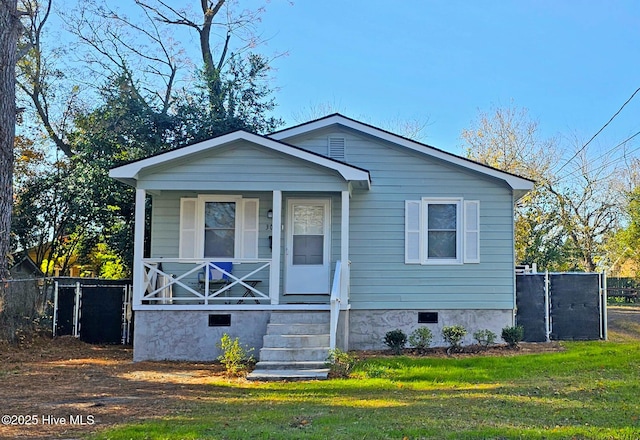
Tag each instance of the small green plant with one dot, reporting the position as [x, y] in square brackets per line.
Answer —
[421, 338]
[513, 335]
[453, 335]
[340, 363]
[235, 358]
[485, 337]
[395, 340]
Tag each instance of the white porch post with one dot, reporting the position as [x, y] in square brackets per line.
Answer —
[344, 251]
[276, 234]
[138, 248]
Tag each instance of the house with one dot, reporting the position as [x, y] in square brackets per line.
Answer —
[24, 267]
[332, 221]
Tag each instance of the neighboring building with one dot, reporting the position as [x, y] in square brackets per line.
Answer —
[24, 267]
[333, 216]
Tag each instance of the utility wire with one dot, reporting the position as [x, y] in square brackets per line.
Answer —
[600, 131]
[605, 164]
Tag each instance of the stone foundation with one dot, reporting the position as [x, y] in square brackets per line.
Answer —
[186, 335]
[367, 328]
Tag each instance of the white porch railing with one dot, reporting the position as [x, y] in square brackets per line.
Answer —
[160, 283]
[335, 305]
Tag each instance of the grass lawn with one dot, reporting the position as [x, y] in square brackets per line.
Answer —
[589, 391]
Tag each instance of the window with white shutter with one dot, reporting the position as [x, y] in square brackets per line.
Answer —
[218, 227]
[442, 231]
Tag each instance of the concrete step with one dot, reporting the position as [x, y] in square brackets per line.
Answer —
[300, 317]
[295, 341]
[306, 374]
[294, 354]
[298, 365]
[297, 329]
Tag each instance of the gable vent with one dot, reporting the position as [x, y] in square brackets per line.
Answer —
[337, 148]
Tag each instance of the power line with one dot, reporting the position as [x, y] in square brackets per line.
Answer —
[605, 164]
[600, 131]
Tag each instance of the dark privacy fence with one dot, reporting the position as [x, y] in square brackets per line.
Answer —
[96, 311]
[561, 306]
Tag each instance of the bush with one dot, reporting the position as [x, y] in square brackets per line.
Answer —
[453, 335]
[485, 337]
[340, 363]
[235, 358]
[421, 338]
[513, 335]
[395, 340]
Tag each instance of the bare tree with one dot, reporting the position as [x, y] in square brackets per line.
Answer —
[564, 222]
[10, 27]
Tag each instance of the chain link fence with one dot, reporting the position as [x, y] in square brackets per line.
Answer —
[25, 309]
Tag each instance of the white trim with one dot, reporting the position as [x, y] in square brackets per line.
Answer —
[130, 173]
[519, 184]
[344, 250]
[276, 240]
[138, 247]
[218, 308]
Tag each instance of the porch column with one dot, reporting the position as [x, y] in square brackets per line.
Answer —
[138, 247]
[276, 234]
[344, 251]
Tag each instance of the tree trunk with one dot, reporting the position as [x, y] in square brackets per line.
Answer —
[9, 32]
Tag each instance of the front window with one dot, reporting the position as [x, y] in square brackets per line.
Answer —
[219, 229]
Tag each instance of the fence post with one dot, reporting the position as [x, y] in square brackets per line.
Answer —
[547, 306]
[76, 313]
[604, 320]
[55, 309]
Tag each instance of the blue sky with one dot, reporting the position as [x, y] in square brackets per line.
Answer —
[571, 63]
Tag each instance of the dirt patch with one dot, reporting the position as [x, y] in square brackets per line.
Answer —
[66, 388]
[89, 387]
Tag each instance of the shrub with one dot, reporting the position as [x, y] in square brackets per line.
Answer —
[395, 340]
[485, 337]
[513, 335]
[453, 335]
[235, 358]
[340, 363]
[421, 338]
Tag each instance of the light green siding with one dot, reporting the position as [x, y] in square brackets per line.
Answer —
[379, 277]
[241, 167]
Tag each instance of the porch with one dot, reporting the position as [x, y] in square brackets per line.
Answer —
[275, 259]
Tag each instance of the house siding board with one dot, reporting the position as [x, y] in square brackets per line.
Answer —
[241, 167]
[379, 277]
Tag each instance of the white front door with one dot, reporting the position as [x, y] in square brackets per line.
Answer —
[308, 246]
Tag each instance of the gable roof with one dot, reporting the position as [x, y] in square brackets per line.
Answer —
[129, 173]
[520, 185]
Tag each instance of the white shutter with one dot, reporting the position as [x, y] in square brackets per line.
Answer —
[337, 148]
[249, 228]
[412, 231]
[188, 235]
[471, 231]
